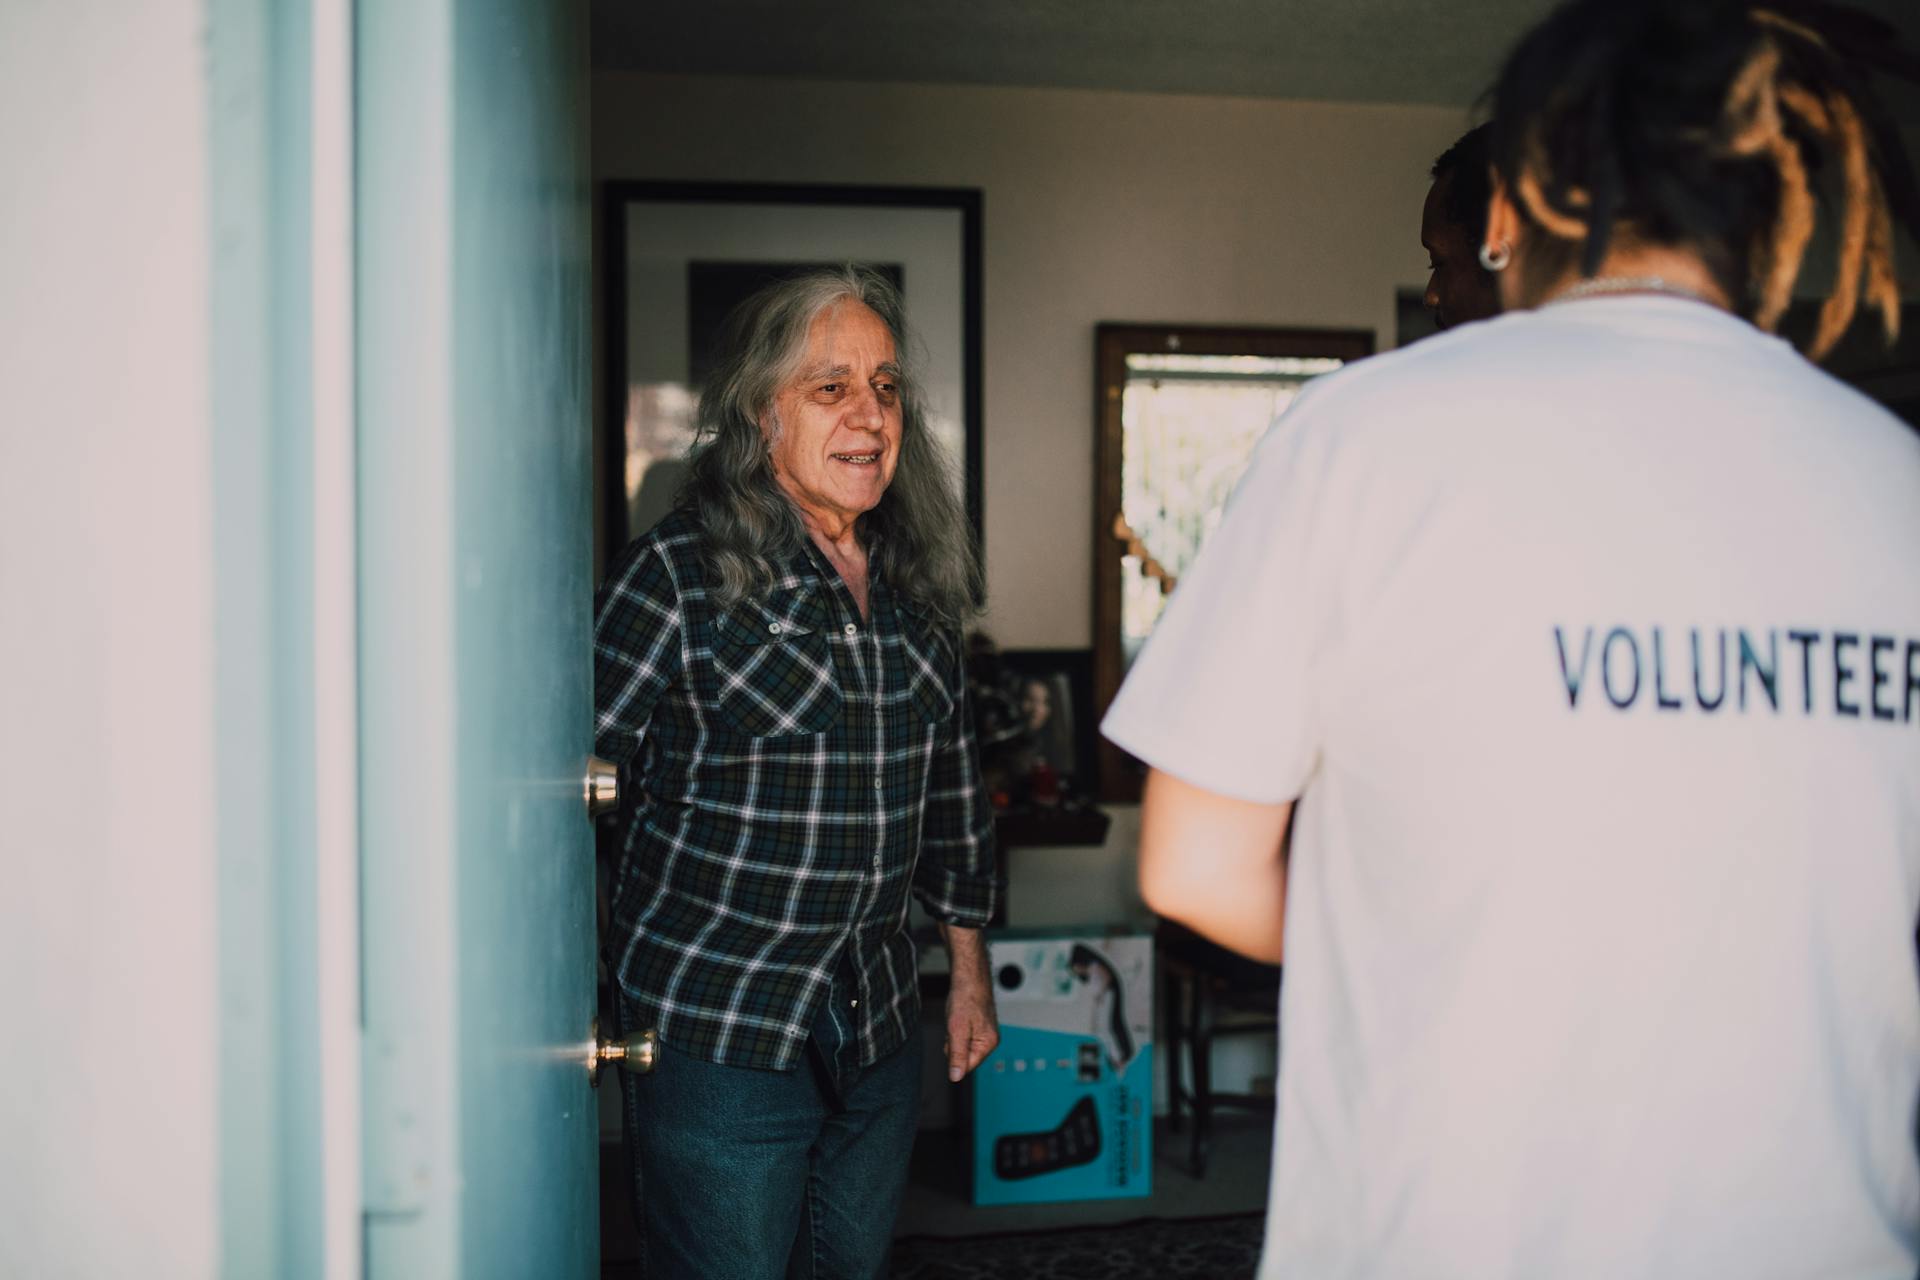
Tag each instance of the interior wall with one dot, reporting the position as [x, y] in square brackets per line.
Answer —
[1098, 206]
[109, 926]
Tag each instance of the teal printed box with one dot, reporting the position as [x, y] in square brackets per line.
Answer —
[1063, 1109]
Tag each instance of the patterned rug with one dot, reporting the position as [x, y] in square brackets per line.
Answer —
[1226, 1248]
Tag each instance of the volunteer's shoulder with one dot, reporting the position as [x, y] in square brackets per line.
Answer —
[1847, 411]
[1401, 392]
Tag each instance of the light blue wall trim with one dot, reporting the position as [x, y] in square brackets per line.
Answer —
[270, 1137]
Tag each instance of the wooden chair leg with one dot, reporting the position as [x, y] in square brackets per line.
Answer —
[1202, 1033]
[1173, 993]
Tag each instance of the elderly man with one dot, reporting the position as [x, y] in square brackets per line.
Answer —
[778, 666]
[1453, 226]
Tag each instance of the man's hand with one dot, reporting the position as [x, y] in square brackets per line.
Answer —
[972, 1028]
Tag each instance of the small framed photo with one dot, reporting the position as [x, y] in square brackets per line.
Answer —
[1052, 693]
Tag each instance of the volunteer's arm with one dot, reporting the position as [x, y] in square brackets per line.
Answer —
[1215, 864]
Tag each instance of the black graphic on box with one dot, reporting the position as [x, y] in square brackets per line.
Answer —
[1110, 1005]
[1028, 1155]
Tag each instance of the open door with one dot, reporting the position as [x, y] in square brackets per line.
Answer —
[472, 355]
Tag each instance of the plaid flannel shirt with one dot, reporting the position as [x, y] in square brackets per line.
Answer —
[792, 772]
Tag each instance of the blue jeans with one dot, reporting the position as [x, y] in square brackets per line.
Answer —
[742, 1174]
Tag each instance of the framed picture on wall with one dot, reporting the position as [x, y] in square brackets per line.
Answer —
[680, 256]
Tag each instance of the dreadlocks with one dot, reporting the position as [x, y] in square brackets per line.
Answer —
[1703, 125]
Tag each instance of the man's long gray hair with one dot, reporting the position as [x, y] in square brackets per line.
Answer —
[917, 534]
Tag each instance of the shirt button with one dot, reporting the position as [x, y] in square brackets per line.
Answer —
[773, 628]
[852, 631]
[856, 1004]
[877, 786]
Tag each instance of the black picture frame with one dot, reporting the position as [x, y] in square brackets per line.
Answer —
[753, 213]
[1065, 674]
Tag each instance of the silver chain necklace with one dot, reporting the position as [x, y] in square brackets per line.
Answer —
[1599, 285]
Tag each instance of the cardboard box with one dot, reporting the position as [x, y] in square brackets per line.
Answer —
[1063, 1109]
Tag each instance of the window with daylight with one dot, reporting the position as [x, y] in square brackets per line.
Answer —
[1180, 410]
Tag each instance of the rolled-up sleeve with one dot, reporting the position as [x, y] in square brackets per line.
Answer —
[955, 878]
[636, 649]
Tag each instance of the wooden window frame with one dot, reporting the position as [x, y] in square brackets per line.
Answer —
[1119, 775]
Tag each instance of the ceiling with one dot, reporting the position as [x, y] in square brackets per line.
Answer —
[1443, 52]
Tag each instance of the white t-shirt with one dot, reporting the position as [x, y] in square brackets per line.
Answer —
[1599, 954]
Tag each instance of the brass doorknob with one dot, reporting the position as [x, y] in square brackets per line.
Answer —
[637, 1053]
[602, 786]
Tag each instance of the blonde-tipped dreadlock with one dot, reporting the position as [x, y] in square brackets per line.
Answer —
[1756, 99]
[1565, 225]
[1866, 235]
[1790, 101]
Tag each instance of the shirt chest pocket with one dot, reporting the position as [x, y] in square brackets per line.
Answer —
[929, 662]
[774, 673]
